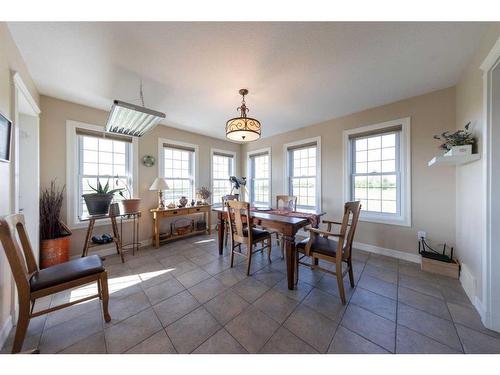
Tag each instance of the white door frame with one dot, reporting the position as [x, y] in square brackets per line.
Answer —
[20, 91]
[491, 237]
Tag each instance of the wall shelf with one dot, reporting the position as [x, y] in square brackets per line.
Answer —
[453, 160]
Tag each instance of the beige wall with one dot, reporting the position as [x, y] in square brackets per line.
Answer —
[56, 112]
[10, 61]
[469, 177]
[433, 189]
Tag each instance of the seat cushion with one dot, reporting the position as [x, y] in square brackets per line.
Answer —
[320, 245]
[64, 272]
[258, 234]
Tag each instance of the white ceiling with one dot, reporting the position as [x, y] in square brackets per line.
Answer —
[297, 73]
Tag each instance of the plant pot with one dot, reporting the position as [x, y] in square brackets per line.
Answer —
[131, 206]
[54, 251]
[459, 151]
[98, 204]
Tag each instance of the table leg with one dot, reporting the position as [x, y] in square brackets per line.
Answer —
[290, 260]
[220, 231]
[118, 240]
[209, 222]
[88, 237]
[156, 229]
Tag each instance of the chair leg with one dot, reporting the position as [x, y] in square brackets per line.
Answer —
[249, 258]
[269, 248]
[103, 280]
[232, 253]
[340, 282]
[22, 326]
[351, 273]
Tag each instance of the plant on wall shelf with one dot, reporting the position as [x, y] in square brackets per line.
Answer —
[460, 137]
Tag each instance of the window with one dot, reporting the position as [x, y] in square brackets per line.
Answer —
[107, 159]
[178, 164]
[259, 167]
[94, 154]
[378, 168]
[303, 170]
[222, 169]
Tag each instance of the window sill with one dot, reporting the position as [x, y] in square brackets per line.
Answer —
[383, 219]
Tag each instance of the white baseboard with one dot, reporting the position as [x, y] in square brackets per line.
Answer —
[469, 283]
[414, 258]
[4, 332]
[111, 249]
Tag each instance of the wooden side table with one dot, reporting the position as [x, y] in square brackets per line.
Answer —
[159, 214]
[88, 239]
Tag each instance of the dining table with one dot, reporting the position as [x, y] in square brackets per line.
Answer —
[285, 222]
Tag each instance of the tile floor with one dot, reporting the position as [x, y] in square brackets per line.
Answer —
[184, 298]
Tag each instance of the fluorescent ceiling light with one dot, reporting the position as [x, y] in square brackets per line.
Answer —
[131, 119]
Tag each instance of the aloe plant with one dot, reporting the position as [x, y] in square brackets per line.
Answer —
[99, 189]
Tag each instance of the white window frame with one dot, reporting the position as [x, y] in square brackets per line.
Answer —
[161, 159]
[220, 151]
[72, 150]
[404, 216]
[266, 150]
[286, 161]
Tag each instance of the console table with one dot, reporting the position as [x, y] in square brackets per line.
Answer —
[159, 214]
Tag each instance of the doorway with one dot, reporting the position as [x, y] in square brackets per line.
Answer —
[491, 255]
[26, 169]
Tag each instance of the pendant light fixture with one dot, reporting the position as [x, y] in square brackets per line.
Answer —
[243, 128]
[131, 119]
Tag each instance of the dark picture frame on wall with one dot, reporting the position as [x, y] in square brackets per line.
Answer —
[5, 138]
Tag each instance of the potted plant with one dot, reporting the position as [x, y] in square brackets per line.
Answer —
[459, 142]
[204, 194]
[130, 205]
[54, 234]
[98, 202]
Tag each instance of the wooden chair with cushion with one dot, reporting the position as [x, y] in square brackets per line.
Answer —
[284, 202]
[241, 235]
[337, 250]
[225, 198]
[33, 283]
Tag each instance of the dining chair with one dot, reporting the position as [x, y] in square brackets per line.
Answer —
[243, 233]
[337, 250]
[33, 283]
[289, 203]
[225, 198]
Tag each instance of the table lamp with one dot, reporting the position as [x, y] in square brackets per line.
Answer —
[159, 184]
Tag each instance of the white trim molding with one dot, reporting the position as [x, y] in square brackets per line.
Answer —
[72, 175]
[21, 86]
[264, 150]
[490, 299]
[235, 169]
[286, 169]
[409, 257]
[404, 218]
[5, 330]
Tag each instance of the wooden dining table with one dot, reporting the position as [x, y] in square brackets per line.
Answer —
[288, 225]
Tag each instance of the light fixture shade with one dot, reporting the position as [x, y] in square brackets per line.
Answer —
[131, 119]
[159, 184]
[243, 129]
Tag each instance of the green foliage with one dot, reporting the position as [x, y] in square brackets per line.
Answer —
[99, 189]
[458, 138]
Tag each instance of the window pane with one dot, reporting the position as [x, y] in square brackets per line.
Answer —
[389, 140]
[374, 193]
[361, 144]
[303, 175]
[388, 166]
[374, 167]
[178, 173]
[104, 159]
[389, 207]
[389, 194]
[389, 181]
[374, 142]
[361, 168]
[374, 205]
[388, 153]
[374, 155]
[361, 156]
[361, 181]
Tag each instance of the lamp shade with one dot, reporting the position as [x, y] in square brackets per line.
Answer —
[159, 184]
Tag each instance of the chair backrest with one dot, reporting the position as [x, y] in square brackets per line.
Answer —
[287, 202]
[236, 210]
[21, 260]
[348, 227]
[229, 197]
